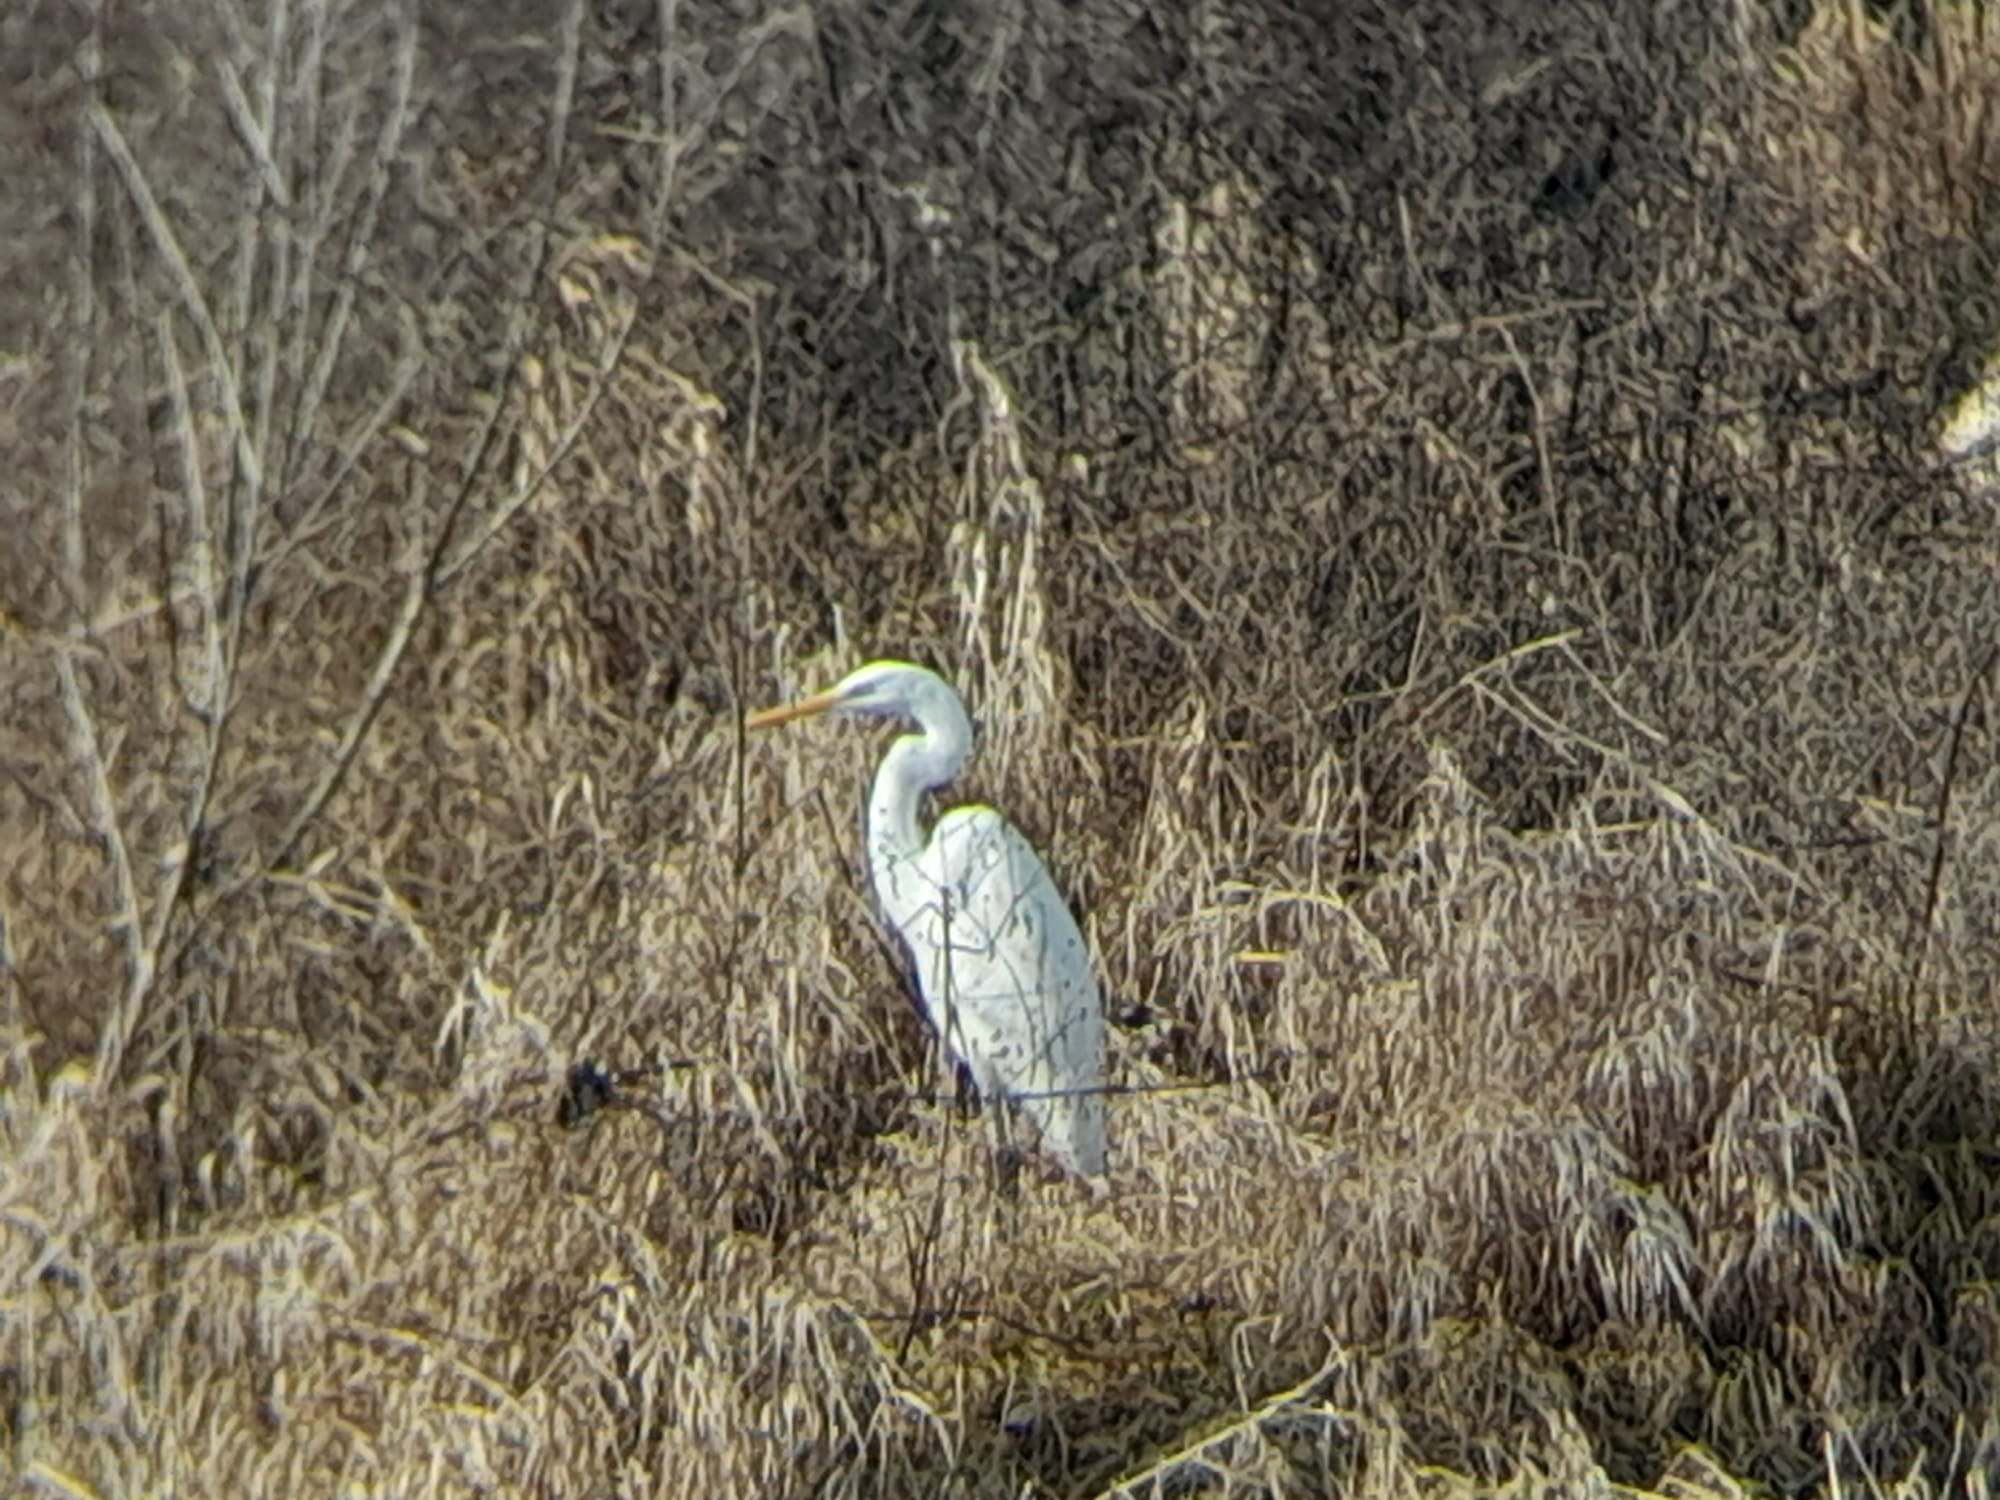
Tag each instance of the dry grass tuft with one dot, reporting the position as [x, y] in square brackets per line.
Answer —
[1449, 567]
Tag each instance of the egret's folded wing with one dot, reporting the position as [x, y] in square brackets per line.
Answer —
[1006, 977]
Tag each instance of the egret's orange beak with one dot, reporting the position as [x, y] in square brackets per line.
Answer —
[784, 713]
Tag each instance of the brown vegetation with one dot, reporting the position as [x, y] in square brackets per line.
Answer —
[1433, 507]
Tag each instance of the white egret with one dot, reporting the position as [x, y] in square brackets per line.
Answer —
[1003, 972]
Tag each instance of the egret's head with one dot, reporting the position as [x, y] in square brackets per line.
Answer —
[880, 690]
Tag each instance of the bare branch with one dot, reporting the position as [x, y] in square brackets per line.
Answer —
[87, 753]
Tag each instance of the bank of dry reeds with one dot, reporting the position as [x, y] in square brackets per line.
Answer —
[1436, 514]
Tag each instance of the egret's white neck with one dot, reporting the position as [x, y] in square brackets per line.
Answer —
[915, 764]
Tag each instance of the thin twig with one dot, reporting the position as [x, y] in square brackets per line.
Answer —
[87, 749]
[83, 332]
[86, 746]
[251, 131]
[1921, 932]
[167, 245]
[349, 453]
[210, 701]
[380, 679]
[565, 442]
[331, 338]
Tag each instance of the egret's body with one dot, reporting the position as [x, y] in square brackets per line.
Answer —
[1003, 972]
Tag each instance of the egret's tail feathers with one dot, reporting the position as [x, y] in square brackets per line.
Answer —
[1072, 1128]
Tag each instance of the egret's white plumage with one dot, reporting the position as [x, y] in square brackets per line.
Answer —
[1002, 969]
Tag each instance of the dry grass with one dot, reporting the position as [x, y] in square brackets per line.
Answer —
[1487, 648]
